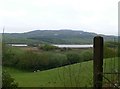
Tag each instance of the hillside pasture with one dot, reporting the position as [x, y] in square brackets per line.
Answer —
[75, 75]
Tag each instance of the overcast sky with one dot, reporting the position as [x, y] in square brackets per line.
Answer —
[99, 16]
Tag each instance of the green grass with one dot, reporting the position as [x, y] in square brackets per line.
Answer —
[76, 75]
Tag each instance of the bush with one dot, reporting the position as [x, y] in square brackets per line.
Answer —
[8, 82]
[112, 44]
[8, 56]
[73, 57]
[47, 47]
[57, 60]
[34, 61]
[28, 61]
[109, 52]
[86, 55]
[11, 56]
[31, 61]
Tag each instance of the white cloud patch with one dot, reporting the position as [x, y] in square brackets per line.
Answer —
[98, 16]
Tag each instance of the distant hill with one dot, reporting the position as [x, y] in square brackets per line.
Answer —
[54, 37]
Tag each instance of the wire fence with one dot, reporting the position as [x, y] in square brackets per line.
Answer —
[111, 73]
[82, 74]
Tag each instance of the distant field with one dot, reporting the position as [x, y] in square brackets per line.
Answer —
[76, 75]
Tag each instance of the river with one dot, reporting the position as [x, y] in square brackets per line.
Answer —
[74, 46]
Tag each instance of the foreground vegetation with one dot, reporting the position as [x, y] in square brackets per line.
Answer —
[47, 57]
[75, 75]
[8, 81]
[42, 60]
[67, 76]
[48, 66]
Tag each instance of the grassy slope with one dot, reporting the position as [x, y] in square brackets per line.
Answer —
[79, 74]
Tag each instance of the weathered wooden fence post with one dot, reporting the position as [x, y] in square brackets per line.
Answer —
[98, 62]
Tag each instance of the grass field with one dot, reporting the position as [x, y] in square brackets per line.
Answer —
[76, 75]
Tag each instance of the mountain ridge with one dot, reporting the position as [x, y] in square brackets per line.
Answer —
[55, 37]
